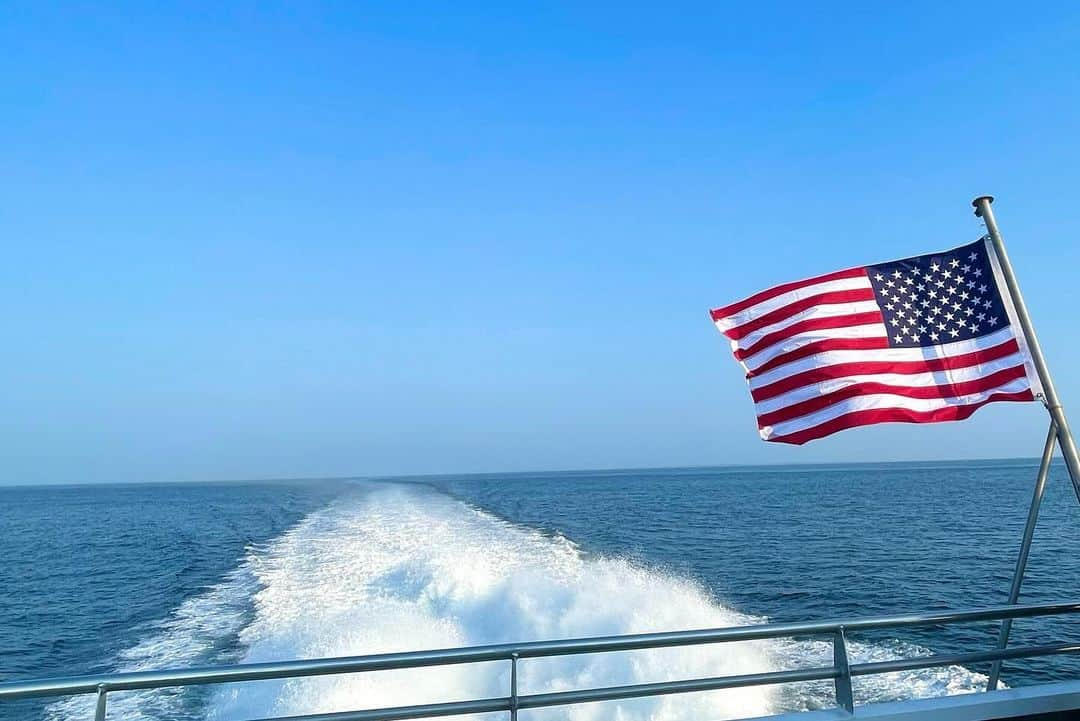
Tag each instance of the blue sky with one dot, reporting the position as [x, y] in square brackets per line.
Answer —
[298, 239]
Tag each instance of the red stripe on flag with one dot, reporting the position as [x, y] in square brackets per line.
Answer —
[836, 321]
[830, 298]
[843, 370]
[895, 415]
[718, 313]
[818, 346]
[950, 390]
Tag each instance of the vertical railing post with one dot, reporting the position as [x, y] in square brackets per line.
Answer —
[513, 686]
[99, 711]
[845, 698]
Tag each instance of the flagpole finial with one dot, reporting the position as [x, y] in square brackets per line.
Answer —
[978, 205]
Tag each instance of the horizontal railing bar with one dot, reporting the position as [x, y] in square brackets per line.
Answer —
[958, 659]
[536, 649]
[564, 698]
[431, 710]
[136, 680]
[612, 693]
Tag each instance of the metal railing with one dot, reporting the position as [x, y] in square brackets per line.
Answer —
[841, 672]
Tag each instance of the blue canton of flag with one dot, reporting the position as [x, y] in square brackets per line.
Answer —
[939, 298]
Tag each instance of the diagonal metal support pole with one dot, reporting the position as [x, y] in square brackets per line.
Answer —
[845, 698]
[1025, 547]
[99, 707]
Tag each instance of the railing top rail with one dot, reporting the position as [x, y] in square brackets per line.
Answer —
[535, 649]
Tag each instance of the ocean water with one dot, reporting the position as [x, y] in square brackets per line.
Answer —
[103, 578]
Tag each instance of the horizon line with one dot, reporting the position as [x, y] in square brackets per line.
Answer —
[445, 474]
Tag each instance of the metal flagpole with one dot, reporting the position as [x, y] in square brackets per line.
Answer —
[1059, 426]
[1025, 547]
[1050, 396]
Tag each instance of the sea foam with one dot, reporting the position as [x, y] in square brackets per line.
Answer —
[405, 568]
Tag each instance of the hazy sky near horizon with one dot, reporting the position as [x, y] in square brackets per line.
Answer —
[320, 239]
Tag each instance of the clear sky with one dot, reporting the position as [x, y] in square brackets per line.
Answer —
[247, 240]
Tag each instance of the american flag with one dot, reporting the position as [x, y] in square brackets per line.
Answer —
[920, 340]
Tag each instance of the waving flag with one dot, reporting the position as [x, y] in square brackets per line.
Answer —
[920, 340]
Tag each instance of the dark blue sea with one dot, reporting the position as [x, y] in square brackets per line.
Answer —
[124, 577]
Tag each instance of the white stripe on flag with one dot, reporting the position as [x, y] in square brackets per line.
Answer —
[882, 401]
[829, 310]
[784, 299]
[894, 355]
[900, 380]
[799, 340]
